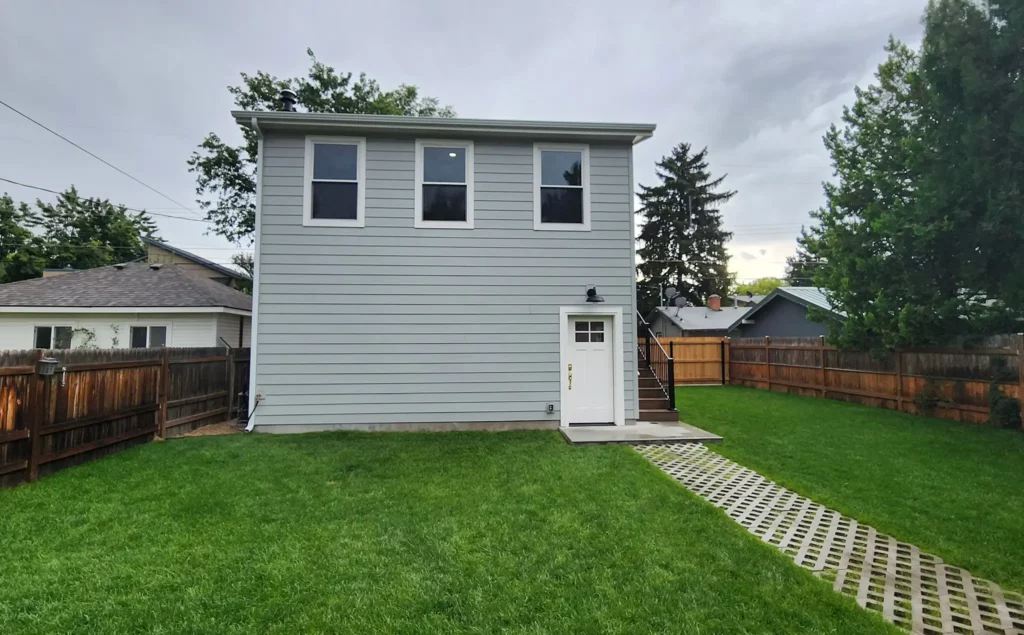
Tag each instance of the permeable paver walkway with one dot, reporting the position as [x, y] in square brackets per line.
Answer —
[914, 590]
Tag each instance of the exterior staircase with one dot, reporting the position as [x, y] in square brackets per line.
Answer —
[654, 402]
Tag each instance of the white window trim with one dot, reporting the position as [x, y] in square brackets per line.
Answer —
[419, 223]
[149, 325]
[307, 183]
[53, 334]
[584, 150]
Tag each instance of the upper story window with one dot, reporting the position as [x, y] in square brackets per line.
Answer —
[561, 187]
[444, 184]
[335, 182]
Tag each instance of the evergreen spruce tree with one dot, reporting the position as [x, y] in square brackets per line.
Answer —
[681, 241]
[801, 267]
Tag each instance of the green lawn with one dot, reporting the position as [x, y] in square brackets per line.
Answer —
[393, 533]
[953, 489]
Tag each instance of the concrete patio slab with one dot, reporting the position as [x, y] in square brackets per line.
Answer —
[641, 433]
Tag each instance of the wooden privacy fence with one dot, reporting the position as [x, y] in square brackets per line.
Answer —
[103, 401]
[952, 383]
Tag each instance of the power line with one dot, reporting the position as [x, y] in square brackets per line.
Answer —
[132, 209]
[98, 158]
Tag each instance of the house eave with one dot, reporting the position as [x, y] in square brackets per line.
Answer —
[447, 127]
[123, 309]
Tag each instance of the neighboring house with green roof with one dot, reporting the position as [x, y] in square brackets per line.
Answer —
[133, 305]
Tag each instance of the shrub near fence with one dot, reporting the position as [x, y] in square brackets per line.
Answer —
[103, 401]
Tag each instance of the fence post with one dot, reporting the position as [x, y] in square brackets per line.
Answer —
[671, 376]
[231, 383]
[899, 380]
[768, 358]
[721, 355]
[728, 362]
[1020, 372]
[821, 362]
[164, 388]
[39, 402]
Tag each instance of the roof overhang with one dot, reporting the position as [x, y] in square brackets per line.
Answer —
[444, 127]
[123, 309]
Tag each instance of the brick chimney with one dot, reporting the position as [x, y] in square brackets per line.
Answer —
[715, 302]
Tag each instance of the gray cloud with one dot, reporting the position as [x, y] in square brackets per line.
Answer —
[141, 83]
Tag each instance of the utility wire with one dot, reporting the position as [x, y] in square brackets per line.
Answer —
[131, 209]
[98, 158]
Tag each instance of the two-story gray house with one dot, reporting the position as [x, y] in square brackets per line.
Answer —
[442, 273]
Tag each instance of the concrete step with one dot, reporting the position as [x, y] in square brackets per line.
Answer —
[658, 415]
[656, 403]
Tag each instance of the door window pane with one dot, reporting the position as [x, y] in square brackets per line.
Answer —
[561, 168]
[581, 326]
[561, 205]
[138, 337]
[581, 337]
[444, 202]
[335, 161]
[597, 337]
[43, 334]
[444, 165]
[157, 336]
[62, 337]
[335, 200]
[597, 326]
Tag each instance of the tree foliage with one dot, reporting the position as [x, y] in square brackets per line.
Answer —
[76, 232]
[761, 286]
[681, 241]
[922, 236]
[226, 174]
[802, 266]
[245, 262]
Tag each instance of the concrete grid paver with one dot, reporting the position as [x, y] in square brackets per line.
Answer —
[916, 591]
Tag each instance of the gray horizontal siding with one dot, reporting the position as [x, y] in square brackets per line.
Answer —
[394, 324]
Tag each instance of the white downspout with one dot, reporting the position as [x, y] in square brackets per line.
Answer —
[253, 357]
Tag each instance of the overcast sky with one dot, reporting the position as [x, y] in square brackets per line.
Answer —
[141, 83]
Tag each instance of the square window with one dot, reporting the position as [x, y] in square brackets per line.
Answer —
[444, 202]
[561, 205]
[561, 177]
[561, 168]
[335, 181]
[444, 165]
[335, 200]
[444, 184]
[597, 326]
[335, 162]
[581, 337]
[138, 337]
[62, 337]
[157, 336]
[43, 335]
[597, 337]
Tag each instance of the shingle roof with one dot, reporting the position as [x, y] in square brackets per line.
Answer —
[238, 275]
[129, 285]
[701, 318]
[810, 295]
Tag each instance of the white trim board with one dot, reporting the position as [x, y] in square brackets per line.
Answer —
[123, 309]
[254, 323]
[307, 183]
[618, 365]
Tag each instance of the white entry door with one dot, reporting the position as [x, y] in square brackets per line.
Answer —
[591, 384]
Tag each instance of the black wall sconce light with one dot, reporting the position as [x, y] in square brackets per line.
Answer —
[592, 295]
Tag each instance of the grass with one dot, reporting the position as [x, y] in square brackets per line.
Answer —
[398, 533]
[953, 489]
